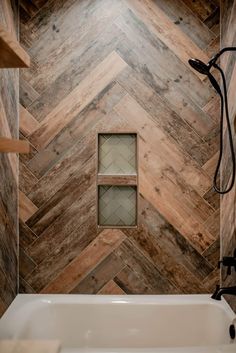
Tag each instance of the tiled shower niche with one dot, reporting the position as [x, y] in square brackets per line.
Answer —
[117, 205]
[117, 180]
[117, 154]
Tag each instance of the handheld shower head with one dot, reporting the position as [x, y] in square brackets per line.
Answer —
[204, 69]
[199, 66]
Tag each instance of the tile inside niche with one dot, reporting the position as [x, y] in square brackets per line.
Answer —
[117, 205]
[117, 154]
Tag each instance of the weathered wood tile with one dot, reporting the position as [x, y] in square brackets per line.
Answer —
[162, 105]
[210, 165]
[9, 96]
[89, 56]
[118, 66]
[158, 54]
[26, 235]
[160, 240]
[212, 254]
[164, 29]
[201, 8]
[74, 160]
[101, 247]
[9, 160]
[183, 17]
[26, 207]
[111, 288]
[26, 157]
[27, 180]
[213, 47]
[213, 223]
[131, 283]
[27, 264]
[56, 231]
[8, 254]
[27, 122]
[212, 280]
[134, 112]
[80, 126]
[213, 20]
[151, 276]
[3, 307]
[77, 100]
[66, 45]
[7, 290]
[61, 200]
[27, 93]
[64, 253]
[28, 9]
[212, 198]
[100, 276]
[24, 287]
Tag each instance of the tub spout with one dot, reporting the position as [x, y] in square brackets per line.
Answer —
[223, 290]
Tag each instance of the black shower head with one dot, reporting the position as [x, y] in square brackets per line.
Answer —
[204, 69]
[199, 66]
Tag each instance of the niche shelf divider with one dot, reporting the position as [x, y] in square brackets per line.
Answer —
[12, 53]
[117, 180]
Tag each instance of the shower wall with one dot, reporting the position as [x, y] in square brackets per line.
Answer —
[9, 97]
[118, 66]
[228, 206]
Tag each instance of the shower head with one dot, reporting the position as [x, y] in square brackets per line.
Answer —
[199, 66]
[204, 69]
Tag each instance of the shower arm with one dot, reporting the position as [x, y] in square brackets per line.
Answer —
[213, 60]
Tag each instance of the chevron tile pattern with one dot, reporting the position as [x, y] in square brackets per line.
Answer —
[104, 66]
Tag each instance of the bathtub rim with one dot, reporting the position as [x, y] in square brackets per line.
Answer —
[94, 299]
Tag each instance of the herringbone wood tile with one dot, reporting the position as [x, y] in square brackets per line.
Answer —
[118, 66]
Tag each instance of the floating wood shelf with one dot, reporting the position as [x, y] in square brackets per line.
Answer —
[12, 54]
[117, 179]
[15, 146]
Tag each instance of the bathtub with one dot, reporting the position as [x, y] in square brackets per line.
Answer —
[89, 323]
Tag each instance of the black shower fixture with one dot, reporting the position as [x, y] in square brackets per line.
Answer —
[204, 69]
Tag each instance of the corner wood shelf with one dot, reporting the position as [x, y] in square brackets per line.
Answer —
[14, 146]
[12, 55]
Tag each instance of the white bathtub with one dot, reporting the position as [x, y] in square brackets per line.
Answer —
[168, 323]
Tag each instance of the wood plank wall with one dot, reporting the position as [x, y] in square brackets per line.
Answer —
[9, 102]
[228, 202]
[118, 66]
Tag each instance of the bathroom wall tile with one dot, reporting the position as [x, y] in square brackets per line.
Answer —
[9, 81]
[122, 75]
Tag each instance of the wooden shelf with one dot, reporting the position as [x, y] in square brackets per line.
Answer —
[12, 145]
[12, 55]
[117, 179]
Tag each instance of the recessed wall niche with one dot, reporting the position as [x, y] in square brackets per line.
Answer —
[117, 180]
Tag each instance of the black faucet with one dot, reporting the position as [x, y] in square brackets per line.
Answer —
[223, 290]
